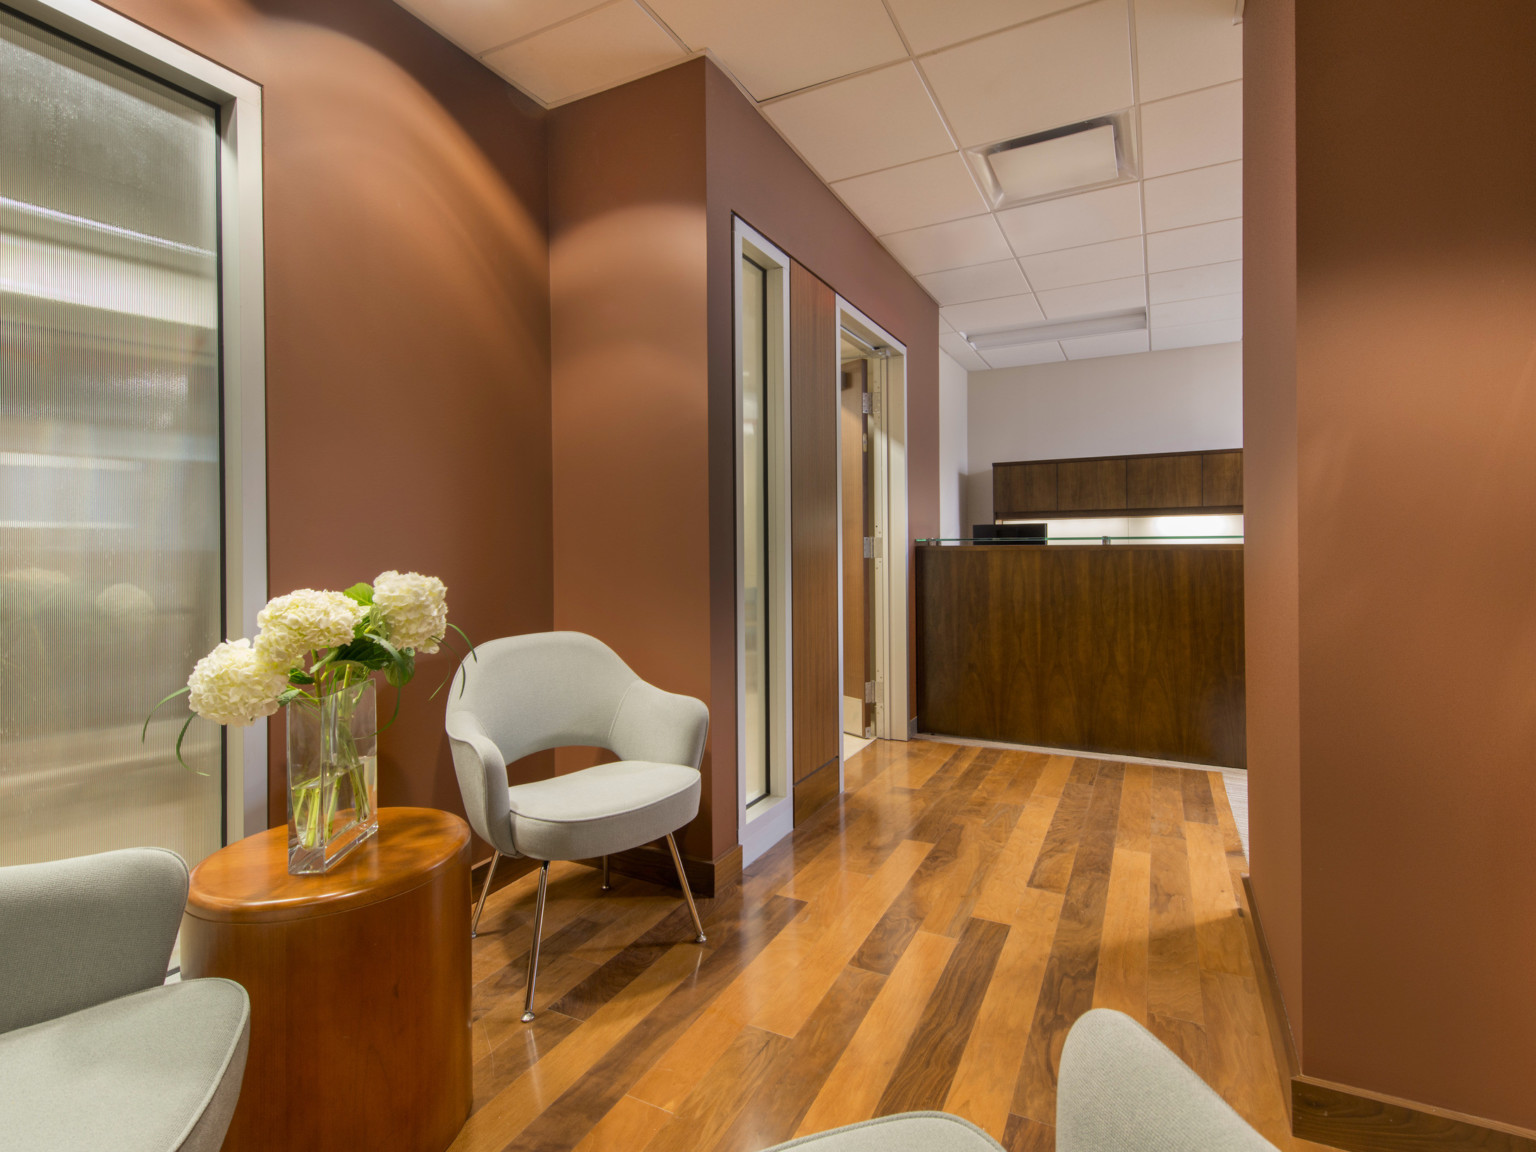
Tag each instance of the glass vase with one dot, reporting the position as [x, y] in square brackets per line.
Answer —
[333, 739]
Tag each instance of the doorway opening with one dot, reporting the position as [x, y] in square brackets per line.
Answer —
[872, 560]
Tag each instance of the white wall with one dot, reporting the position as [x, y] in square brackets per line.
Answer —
[1178, 400]
[954, 432]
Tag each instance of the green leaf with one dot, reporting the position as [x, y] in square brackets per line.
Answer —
[299, 676]
[145, 732]
[289, 694]
[179, 739]
[362, 593]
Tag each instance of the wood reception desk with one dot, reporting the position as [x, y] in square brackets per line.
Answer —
[1133, 649]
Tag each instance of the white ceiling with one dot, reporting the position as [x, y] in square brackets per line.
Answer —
[881, 97]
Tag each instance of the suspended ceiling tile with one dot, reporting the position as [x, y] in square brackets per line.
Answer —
[979, 282]
[1196, 197]
[1112, 260]
[605, 47]
[480, 25]
[963, 353]
[1055, 71]
[1024, 355]
[926, 192]
[779, 47]
[877, 120]
[1190, 247]
[1092, 299]
[1191, 335]
[1182, 45]
[1193, 283]
[1111, 344]
[992, 315]
[1088, 218]
[1192, 131]
[1202, 311]
[954, 245]
[945, 325]
[930, 24]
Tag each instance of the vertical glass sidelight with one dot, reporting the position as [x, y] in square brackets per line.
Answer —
[754, 496]
[111, 537]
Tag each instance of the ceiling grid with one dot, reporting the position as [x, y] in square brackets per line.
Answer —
[884, 99]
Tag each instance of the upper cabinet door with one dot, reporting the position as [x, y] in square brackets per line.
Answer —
[1163, 482]
[1021, 489]
[1090, 485]
[1223, 480]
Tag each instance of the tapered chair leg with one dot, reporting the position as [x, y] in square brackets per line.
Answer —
[682, 878]
[538, 931]
[474, 927]
[606, 884]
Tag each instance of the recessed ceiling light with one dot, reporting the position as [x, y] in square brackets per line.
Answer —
[1047, 167]
[1132, 320]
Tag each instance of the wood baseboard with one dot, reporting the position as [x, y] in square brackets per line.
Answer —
[1359, 1120]
[815, 790]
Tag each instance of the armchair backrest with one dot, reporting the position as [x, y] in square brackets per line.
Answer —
[79, 932]
[524, 694]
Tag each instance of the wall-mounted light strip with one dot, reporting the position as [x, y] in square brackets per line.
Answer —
[1130, 321]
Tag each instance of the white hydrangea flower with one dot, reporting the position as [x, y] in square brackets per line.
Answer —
[234, 685]
[305, 621]
[412, 608]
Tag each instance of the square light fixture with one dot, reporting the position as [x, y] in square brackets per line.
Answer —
[1028, 171]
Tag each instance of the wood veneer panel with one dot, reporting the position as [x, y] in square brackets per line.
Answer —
[815, 790]
[815, 535]
[1022, 488]
[1090, 485]
[1164, 481]
[1083, 684]
[1222, 483]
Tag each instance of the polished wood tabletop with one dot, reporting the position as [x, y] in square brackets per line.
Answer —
[248, 881]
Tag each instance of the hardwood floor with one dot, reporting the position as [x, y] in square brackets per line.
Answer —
[926, 942]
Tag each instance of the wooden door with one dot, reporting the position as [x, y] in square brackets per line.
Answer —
[854, 435]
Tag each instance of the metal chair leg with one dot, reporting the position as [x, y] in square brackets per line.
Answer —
[606, 884]
[474, 927]
[682, 878]
[538, 931]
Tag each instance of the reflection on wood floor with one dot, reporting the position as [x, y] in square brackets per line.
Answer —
[924, 944]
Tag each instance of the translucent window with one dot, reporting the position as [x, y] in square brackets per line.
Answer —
[754, 495]
[110, 466]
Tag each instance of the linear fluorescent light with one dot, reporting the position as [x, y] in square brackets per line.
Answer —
[1131, 321]
[1076, 160]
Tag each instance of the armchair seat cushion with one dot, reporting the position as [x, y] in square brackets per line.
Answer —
[152, 1072]
[602, 810]
[907, 1132]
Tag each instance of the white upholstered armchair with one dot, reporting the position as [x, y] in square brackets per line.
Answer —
[96, 1050]
[525, 694]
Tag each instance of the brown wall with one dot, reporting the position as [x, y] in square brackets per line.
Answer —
[407, 326]
[1415, 401]
[631, 399]
[755, 175]
[1269, 495]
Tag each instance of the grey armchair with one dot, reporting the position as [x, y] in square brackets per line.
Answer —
[96, 1050]
[525, 694]
[1119, 1090]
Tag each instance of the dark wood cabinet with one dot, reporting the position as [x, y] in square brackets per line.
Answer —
[1151, 484]
[1164, 481]
[1222, 485]
[1090, 485]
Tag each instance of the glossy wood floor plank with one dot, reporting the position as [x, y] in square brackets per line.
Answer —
[925, 941]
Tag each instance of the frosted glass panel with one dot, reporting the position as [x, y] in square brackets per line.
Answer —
[754, 495]
[110, 531]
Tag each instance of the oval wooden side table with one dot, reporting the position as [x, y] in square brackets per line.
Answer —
[359, 982]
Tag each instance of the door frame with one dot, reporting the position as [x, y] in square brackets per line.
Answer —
[888, 442]
[242, 339]
[773, 817]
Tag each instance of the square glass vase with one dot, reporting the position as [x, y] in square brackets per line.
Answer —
[333, 768]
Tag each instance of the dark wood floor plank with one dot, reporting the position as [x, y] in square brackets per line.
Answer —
[614, 976]
[947, 807]
[1053, 867]
[1026, 1135]
[923, 1076]
[1167, 801]
[883, 947]
[1067, 990]
[1199, 805]
[1173, 949]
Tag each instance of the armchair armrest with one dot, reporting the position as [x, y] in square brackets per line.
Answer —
[1121, 1090]
[75, 933]
[482, 774]
[662, 727]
